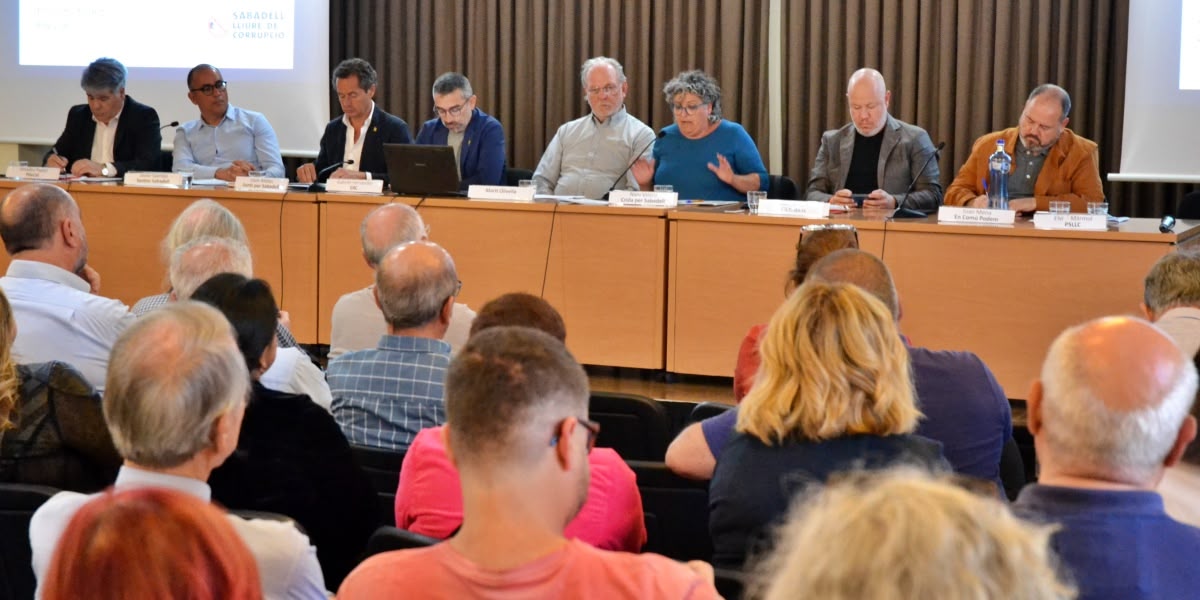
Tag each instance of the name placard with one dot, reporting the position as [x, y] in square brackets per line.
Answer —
[794, 208]
[354, 186]
[153, 179]
[36, 173]
[504, 193]
[262, 184]
[643, 199]
[1082, 222]
[976, 216]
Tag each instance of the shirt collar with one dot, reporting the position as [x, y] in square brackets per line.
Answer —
[370, 115]
[32, 269]
[111, 121]
[134, 477]
[404, 343]
[615, 118]
[230, 115]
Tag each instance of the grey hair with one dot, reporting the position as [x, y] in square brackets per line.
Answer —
[1049, 88]
[447, 83]
[699, 83]
[414, 297]
[1091, 436]
[198, 260]
[1173, 281]
[202, 218]
[597, 61]
[411, 229]
[103, 75]
[355, 66]
[171, 375]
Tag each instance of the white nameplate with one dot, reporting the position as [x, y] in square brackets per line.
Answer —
[1080, 221]
[262, 184]
[976, 216]
[154, 179]
[505, 193]
[38, 173]
[643, 199]
[794, 208]
[354, 186]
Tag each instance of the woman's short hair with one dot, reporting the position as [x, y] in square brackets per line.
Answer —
[518, 309]
[904, 533]
[10, 382]
[833, 364]
[700, 84]
[250, 308]
[202, 218]
[151, 543]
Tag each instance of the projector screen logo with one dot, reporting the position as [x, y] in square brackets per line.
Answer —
[215, 29]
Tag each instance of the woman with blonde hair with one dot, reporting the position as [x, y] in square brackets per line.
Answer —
[833, 394]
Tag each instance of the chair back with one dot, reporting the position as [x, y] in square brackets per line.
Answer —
[676, 512]
[514, 176]
[383, 469]
[1189, 206]
[388, 538]
[635, 426]
[18, 501]
[782, 187]
[707, 410]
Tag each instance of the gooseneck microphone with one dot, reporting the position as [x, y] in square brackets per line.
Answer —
[327, 170]
[636, 158]
[171, 124]
[908, 213]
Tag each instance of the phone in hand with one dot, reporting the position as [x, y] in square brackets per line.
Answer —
[858, 199]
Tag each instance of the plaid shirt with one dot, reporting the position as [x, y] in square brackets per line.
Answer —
[383, 397]
[150, 303]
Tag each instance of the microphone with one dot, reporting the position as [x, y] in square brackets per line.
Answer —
[636, 157]
[908, 213]
[327, 170]
[171, 124]
[1166, 224]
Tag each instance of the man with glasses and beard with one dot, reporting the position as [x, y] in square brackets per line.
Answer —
[476, 137]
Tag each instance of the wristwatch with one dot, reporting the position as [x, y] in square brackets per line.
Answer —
[107, 172]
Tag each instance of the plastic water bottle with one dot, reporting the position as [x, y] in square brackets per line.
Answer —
[999, 164]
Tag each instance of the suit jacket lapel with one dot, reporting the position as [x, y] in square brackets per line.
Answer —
[845, 154]
[891, 137]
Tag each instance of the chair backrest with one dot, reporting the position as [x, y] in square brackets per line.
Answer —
[514, 176]
[18, 501]
[1189, 206]
[782, 187]
[635, 426]
[730, 584]
[676, 512]
[383, 469]
[706, 410]
[388, 538]
[1012, 469]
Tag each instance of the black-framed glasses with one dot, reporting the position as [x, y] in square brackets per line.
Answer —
[690, 109]
[209, 88]
[593, 431]
[453, 111]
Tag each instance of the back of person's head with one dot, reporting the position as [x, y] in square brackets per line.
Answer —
[520, 310]
[905, 533]
[171, 375]
[198, 260]
[860, 268]
[250, 308]
[203, 218]
[10, 382]
[815, 243]
[1113, 396]
[1172, 282]
[413, 283]
[388, 226]
[151, 543]
[30, 215]
[506, 391]
[833, 364]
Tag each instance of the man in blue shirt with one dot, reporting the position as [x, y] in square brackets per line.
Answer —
[477, 137]
[1108, 415]
[226, 141]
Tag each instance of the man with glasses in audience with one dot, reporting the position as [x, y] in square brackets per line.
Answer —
[476, 137]
[226, 142]
[590, 155]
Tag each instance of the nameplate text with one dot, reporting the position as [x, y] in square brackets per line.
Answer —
[962, 215]
[643, 199]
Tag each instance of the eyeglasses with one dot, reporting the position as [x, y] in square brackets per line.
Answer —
[453, 111]
[457, 288]
[593, 429]
[691, 109]
[209, 88]
[607, 90]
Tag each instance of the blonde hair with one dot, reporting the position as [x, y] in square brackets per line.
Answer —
[833, 364]
[10, 382]
[904, 533]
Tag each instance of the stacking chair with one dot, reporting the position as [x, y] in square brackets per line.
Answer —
[18, 501]
[635, 426]
[383, 469]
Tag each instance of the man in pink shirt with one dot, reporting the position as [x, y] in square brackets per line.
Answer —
[517, 431]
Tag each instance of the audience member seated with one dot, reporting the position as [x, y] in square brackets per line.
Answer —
[1109, 413]
[429, 497]
[1171, 298]
[1180, 485]
[358, 323]
[52, 426]
[702, 156]
[384, 396]
[52, 289]
[518, 434]
[202, 218]
[834, 394]
[226, 142]
[151, 543]
[176, 394]
[292, 458]
[904, 534]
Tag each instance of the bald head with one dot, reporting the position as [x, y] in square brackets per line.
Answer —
[859, 268]
[1113, 398]
[31, 215]
[869, 98]
[198, 260]
[387, 227]
[414, 282]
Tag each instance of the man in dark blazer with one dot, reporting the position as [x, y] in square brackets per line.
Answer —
[112, 133]
[477, 137]
[361, 132]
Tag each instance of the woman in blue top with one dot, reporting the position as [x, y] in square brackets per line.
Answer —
[702, 156]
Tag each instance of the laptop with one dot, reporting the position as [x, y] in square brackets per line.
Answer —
[417, 170]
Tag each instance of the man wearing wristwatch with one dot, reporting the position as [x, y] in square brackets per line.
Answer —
[112, 133]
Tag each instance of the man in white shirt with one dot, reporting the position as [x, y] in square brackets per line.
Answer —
[176, 395]
[358, 322]
[50, 287]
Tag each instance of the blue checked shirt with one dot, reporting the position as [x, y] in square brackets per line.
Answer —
[383, 397]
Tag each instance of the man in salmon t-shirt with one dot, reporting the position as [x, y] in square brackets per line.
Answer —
[517, 430]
